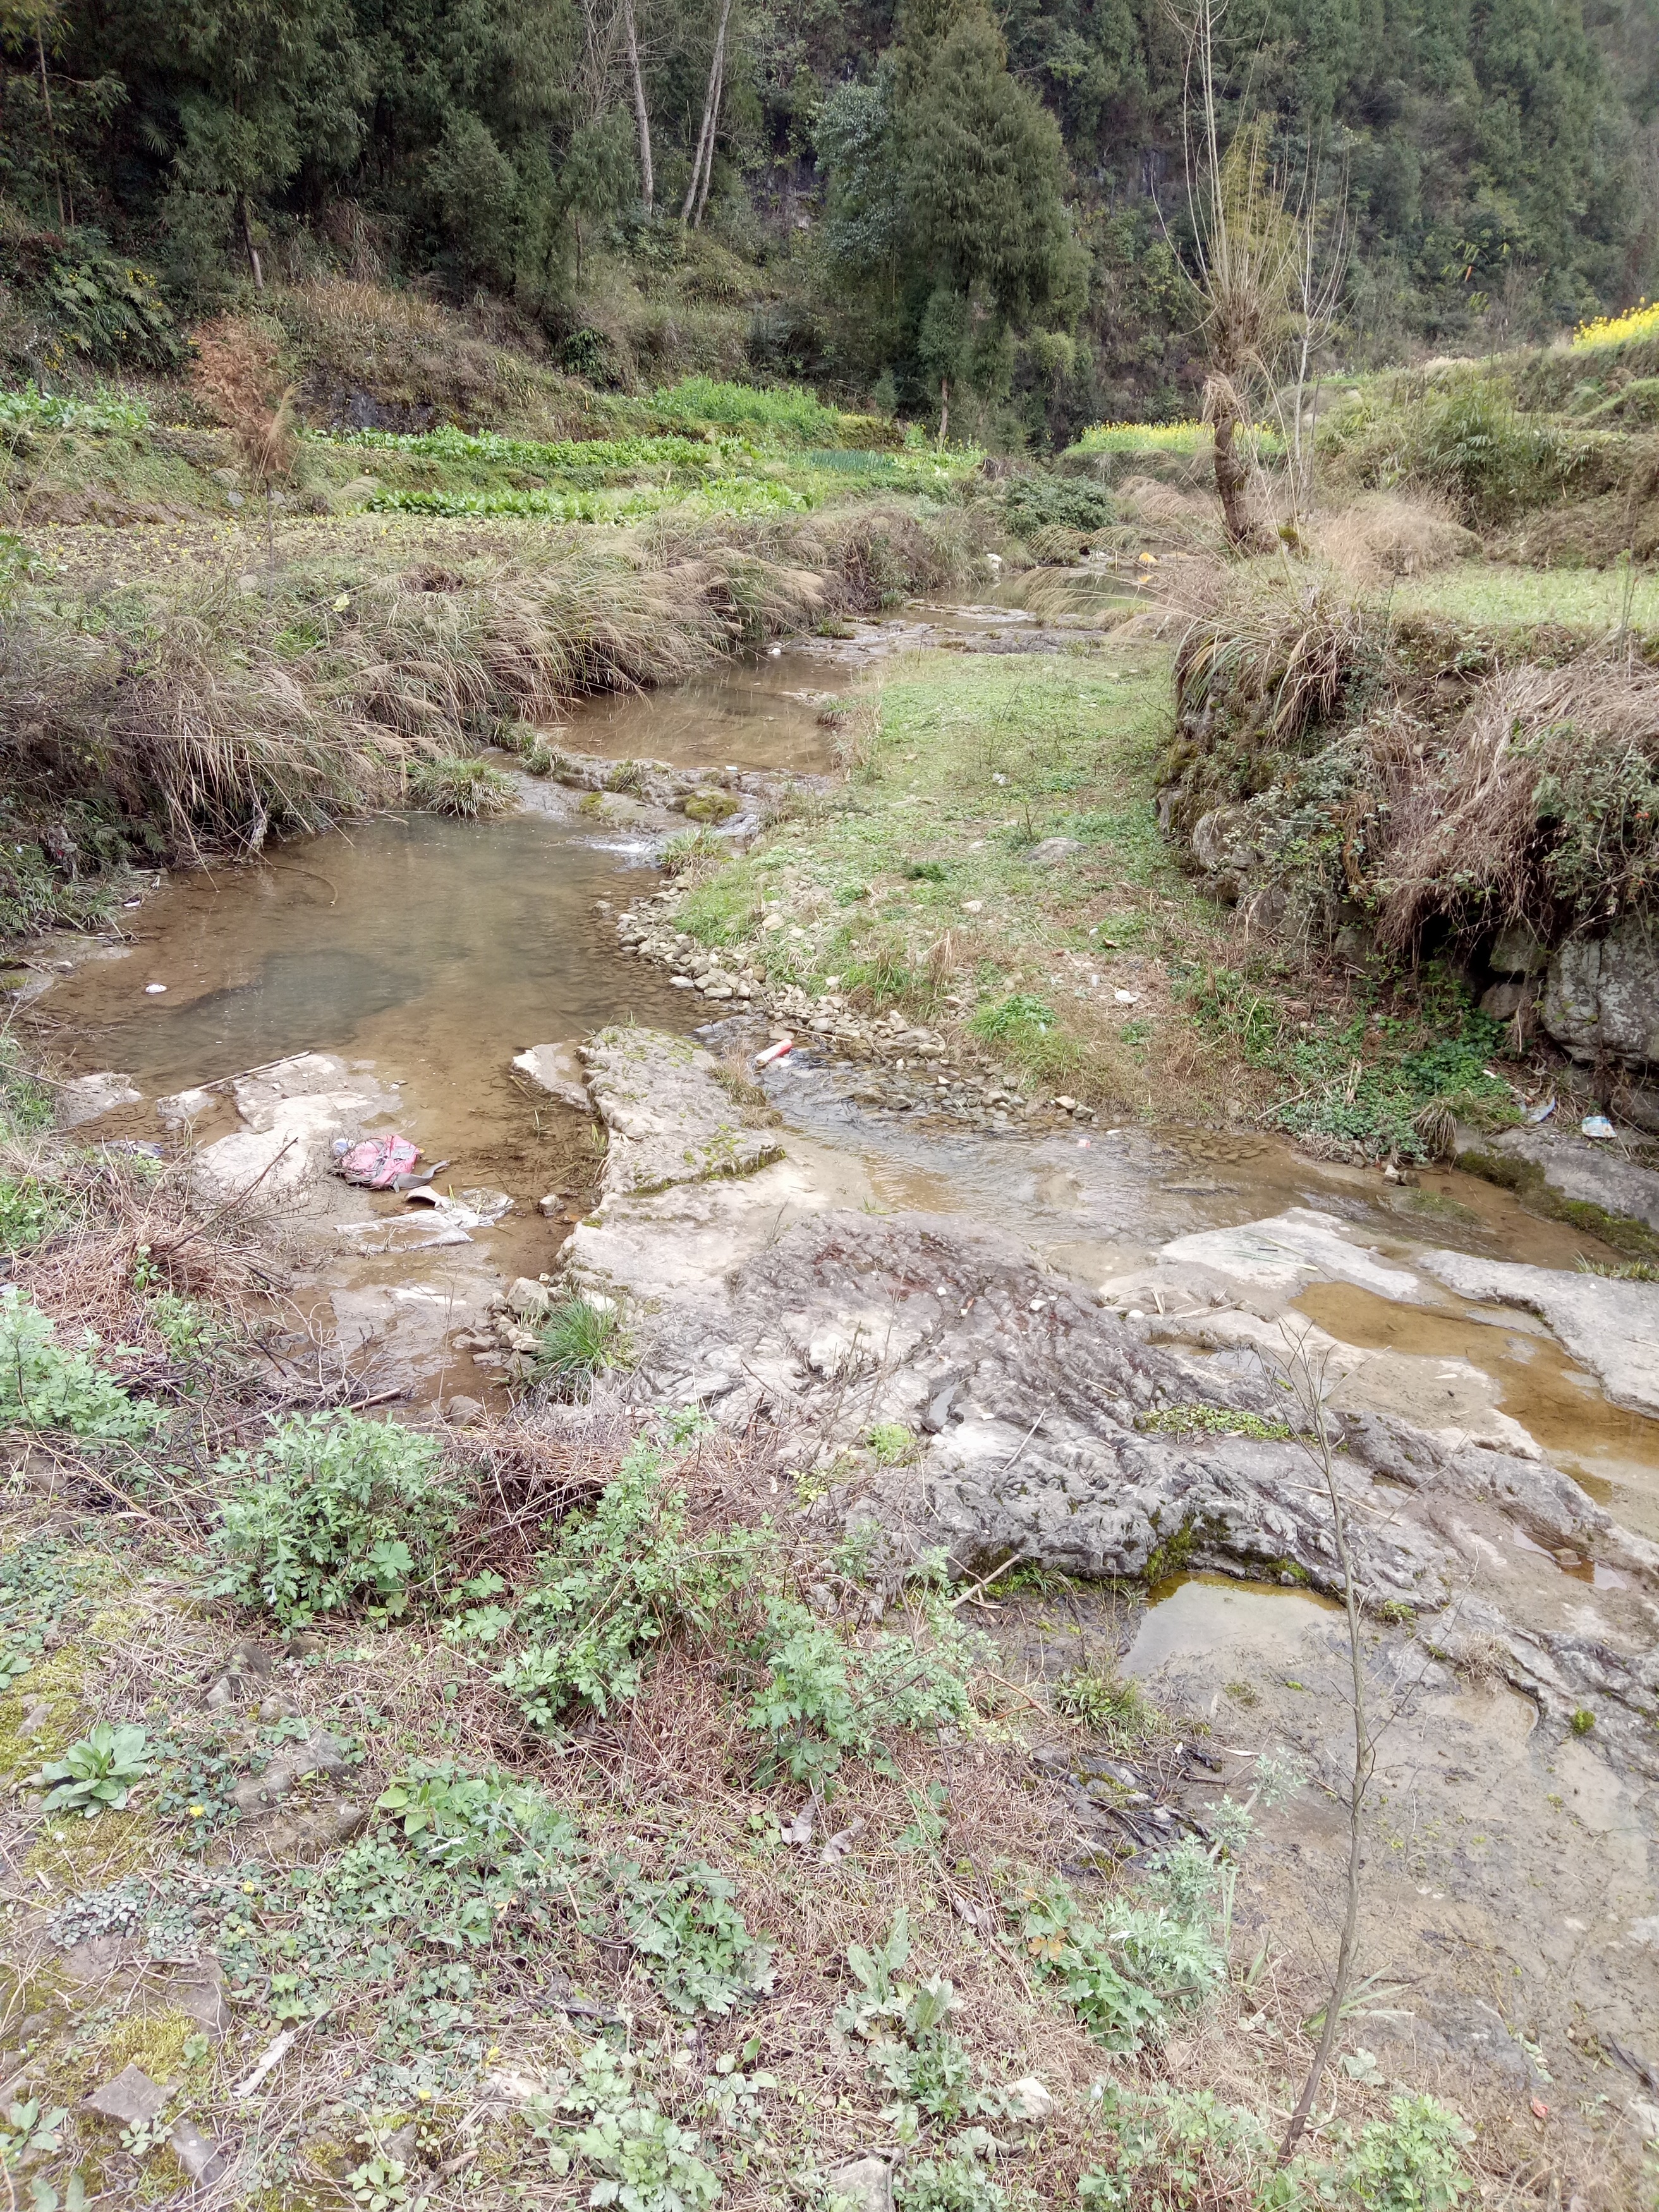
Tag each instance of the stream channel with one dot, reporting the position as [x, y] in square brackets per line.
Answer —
[429, 953]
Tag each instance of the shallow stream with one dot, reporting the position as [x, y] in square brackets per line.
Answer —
[437, 950]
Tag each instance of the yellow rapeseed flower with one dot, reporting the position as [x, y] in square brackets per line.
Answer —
[1641, 321]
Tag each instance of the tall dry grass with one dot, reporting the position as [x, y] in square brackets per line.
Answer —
[197, 713]
[1378, 535]
[1542, 803]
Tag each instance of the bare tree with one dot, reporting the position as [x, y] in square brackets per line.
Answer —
[702, 167]
[1321, 268]
[1305, 1373]
[1246, 245]
[641, 115]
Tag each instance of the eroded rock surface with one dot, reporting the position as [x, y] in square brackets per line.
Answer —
[1014, 1414]
[669, 1118]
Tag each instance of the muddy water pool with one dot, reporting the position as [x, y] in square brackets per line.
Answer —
[435, 950]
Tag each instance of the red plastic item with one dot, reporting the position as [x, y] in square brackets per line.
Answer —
[379, 1160]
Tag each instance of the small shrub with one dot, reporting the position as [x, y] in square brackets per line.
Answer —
[100, 1772]
[44, 1386]
[618, 1581]
[891, 1442]
[577, 1343]
[334, 1510]
[1411, 2162]
[824, 1700]
[30, 1209]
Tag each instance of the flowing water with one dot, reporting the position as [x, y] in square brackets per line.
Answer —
[438, 950]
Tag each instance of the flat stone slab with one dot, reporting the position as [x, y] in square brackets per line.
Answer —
[557, 1069]
[669, 1119]
[1610, 1327]
[86, 1097]
[1287, 1252]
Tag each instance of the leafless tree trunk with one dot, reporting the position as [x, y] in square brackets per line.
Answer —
[1307, 1378]
[706, 137]
[51, 127]
[252, 251]
[714, 133]
[641, 117]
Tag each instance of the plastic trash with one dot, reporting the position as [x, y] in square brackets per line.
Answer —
[1596, 1125]
[774, 1052]
[1537, 1114]
[377, 1162]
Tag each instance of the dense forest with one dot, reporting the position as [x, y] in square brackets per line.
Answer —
[896, 201]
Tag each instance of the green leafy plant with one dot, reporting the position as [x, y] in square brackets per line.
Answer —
[99, 1773]
[1125, 1970]
[334, 1510]
[704, 1957]
[1012, 1020]
[644, 2162]
[891, 1442]
[1410, 2162]
[30, 2129]
[824, 1700]
[44, 1386]
[957, 2182]
[617, 1581]
[1115, 1706]
[906, 2024]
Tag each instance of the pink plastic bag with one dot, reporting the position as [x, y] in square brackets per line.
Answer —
[379, 1160]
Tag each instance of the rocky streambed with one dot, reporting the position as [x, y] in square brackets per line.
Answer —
[973, 1321]
[935, 1387]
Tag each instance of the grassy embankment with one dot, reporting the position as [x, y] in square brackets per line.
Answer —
[544, 1920]
[193, 680]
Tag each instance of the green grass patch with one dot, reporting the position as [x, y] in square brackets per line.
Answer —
[1386, 1083]
[1487, 595]
[924, 885]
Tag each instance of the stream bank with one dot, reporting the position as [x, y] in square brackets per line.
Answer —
[1061, 1330]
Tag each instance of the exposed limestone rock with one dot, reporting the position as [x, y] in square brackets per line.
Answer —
[1601, 996]
[557, 1070]
[670, 1121]
[86, 1097]
[1611, 1328]
[1573, 1167]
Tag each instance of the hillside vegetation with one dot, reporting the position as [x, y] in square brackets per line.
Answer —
[921, 201]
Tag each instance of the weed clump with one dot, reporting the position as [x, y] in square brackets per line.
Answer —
[576, 1344]
[469, 789]
[334, 1511]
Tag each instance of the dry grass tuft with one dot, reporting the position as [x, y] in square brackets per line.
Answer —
[1384, 534]
[1277, 655]
[1541, 803]
[238, 379]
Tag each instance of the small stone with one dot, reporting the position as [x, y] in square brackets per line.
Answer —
[278, 1707]
[199, 2155]
[461, 1412]
[529, 1301]
[1029, 2100]
[973, 905]
[130, 2098]
[865, 2184]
